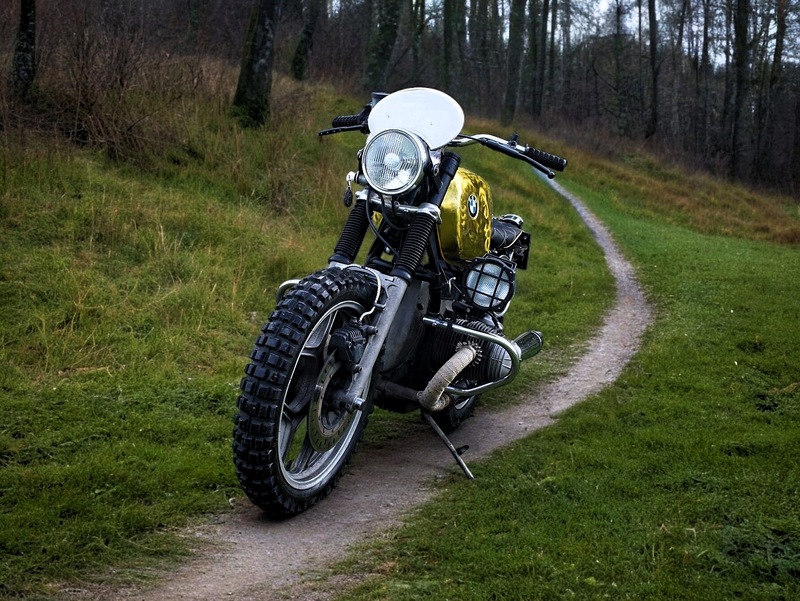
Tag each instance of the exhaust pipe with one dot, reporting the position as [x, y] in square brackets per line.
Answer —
[529, 343]
[433, 398]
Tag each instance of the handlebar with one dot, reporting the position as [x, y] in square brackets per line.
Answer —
[545, 158]
[347, 121]
[540, 160]
[355, 122]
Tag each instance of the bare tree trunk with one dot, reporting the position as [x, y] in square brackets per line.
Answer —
[773, 146]
[780, 37]
[541, 55]
[727, 103]
[311, 11]
[454, 29]
[531, 62]
[640, 61]
[704, 83]
[742, 96]
[194, 25]
[652, 125]
[620, 91]
[795, 162]
[381, 44]
[417, 32]
[551, 67]
[516, 42]
[251, 102]
[23, 65]
[566, 54]
[674, 124]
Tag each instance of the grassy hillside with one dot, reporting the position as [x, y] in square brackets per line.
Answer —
[130, 294]
[681, 480]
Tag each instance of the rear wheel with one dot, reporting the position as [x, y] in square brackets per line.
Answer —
[292, 437]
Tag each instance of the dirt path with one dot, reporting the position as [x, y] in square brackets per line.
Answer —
[247, 558]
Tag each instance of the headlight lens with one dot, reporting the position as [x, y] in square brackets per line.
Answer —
[490, 283]
[394, 161]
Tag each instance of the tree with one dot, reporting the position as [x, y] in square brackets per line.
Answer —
[454, 32]
[381, 44]
[516, 43]
[251, 101]
[530, 82]
[23, 64]
[741, 58]
[652, 124]
[541, 64]
[483, 55]
[704, 77]
[566, 54]
[194, 24]
[417, 34]
[311, 13]
[551, 69]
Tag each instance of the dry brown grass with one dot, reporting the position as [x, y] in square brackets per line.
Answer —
[695, 199]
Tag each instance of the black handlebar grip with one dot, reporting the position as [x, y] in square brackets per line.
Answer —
[347, 121]
[545, 158]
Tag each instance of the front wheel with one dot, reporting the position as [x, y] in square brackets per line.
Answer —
[292, 437]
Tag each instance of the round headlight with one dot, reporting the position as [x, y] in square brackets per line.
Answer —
[490, 283]
[394, 161]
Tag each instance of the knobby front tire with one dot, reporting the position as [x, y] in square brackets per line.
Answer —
[291, 441]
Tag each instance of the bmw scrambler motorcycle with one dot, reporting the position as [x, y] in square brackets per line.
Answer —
[417, 326]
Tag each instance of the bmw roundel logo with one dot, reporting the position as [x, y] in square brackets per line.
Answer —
[472, 206]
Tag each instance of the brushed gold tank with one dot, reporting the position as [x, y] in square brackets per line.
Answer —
[466, 228]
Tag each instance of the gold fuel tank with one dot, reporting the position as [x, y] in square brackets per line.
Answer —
[466, 228]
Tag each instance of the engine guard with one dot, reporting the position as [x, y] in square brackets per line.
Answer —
[523, 347]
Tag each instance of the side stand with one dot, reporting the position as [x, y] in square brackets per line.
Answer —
[455, 452]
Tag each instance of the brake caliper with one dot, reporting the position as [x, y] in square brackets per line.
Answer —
[348, 343]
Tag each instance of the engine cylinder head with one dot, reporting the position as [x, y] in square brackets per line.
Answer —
[494, 363]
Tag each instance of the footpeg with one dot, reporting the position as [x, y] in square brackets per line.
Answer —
[529, 343]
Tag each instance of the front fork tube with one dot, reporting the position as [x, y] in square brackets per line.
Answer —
[395, 289]
[352, 235]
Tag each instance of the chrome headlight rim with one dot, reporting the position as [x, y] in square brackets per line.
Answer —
[410, 163]
[489, 283]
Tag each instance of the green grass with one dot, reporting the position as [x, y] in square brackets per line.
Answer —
[681, 480]
[130, 295]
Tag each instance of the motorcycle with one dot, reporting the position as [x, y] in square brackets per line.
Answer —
[418, 325]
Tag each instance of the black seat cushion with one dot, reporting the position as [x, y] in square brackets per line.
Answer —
[504, 234]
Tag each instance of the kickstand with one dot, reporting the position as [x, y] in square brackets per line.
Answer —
[455, 452]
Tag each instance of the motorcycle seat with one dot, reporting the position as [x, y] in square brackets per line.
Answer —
[504, 234]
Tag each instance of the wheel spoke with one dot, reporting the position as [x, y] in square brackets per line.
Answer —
[290, 425]
[303, 384]
[319, 337]
[305, 457]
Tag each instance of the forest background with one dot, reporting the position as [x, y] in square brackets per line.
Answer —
[711, 84]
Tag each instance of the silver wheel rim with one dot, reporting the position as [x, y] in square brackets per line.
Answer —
[313, 437]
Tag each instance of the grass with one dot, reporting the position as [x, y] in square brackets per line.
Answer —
[129, 297]
[679, 481]
[130, 294]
